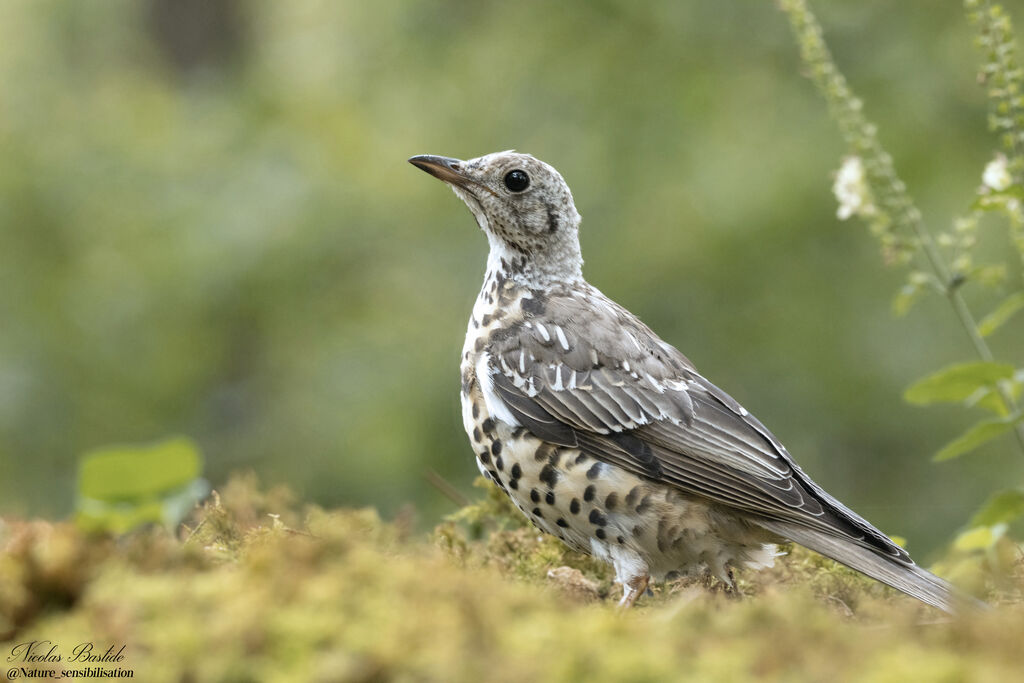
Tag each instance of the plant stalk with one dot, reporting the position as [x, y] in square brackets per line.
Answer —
[966, 318]
[861, 138]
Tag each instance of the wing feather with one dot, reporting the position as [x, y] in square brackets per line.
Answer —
[641, 405]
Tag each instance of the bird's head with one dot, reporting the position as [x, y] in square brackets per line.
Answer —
[523, 205]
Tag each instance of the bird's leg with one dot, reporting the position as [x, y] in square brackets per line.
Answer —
[730, 583]
[632, 589]
[731, 589]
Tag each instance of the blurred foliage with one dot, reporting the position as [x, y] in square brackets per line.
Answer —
[258, 588]
[867, 186]
[122, 487]
[207, 227]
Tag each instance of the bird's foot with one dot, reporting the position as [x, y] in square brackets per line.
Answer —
[632, 589]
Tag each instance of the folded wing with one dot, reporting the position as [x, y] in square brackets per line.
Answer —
[601, 381]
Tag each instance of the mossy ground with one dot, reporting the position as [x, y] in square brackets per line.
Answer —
[259, 588]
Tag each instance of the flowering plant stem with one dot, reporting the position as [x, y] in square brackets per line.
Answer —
[885, 202]
[966, 318]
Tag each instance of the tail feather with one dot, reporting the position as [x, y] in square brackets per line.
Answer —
[908, 578]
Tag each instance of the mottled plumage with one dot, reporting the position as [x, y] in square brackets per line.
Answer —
[608, 437]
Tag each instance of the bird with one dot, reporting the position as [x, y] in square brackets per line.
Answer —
[609, 438]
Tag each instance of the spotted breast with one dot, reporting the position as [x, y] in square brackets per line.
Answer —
[644, 529]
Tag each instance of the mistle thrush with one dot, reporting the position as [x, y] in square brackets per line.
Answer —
[608, 437]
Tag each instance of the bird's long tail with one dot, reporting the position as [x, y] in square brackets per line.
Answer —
[908, 578]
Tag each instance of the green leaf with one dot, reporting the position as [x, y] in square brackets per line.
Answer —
[122, 487]
[1002, 507]
[917, 283]
[1002, 313]
[119, 518]
[132, 472]
[122, 516]
[957, 382]
[905, 299]
[978, 538]
[979, 434]
[997, 201]
[991, 400]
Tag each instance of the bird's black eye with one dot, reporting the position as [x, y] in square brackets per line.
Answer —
[517, 180]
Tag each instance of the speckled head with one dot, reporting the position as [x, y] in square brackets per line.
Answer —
[525, 208]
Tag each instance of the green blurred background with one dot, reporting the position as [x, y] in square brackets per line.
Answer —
[208, 227]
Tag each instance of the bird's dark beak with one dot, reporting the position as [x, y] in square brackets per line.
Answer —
[447, 169]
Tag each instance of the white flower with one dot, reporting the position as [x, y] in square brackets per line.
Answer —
[851, 189]
[997, 174]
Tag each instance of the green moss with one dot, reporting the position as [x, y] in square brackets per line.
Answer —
[259, 588]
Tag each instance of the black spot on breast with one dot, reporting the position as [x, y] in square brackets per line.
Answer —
[645, 505]
[476, 434]
[620, 540]
[589, 492]
[549, 475]
[534, 495]
[485, 320]
[476, 410]
[549, 498]
[485, 457]
[611, 501]
[632, 496]
[595, 470]
[544, 452]
[555, 457]
[574, 506]
[487, 425]
[532, 305]
[561, 522]
[597, 517]
[496, 447]
[499, 463]
[517, 471]
[537, 513]
[581, 458]
[600, 533]
[513, 484]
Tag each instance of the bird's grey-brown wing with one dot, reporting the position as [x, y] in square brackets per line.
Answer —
[590, 375]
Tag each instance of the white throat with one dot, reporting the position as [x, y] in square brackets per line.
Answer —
[560, 264]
